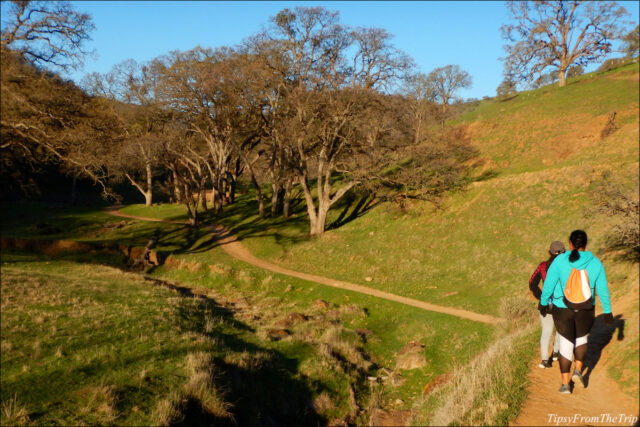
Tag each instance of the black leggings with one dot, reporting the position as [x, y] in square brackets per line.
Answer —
[572, 328]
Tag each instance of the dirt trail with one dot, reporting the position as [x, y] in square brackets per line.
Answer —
[601, 402]
[232, 246]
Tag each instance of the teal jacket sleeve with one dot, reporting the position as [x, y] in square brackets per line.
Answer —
[549, 284]
[602, 290]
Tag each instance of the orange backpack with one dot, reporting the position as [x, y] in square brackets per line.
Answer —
[577, 291]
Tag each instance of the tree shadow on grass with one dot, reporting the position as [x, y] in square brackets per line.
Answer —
[508, 98]
[264, 388]
[599, 337]
[487, 175]
[262, 385]
[240, 219]
[364, 204]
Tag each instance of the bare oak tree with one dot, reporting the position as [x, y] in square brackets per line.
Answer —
[446, 81]
[131, 89]
[326, 76]
[506, 87]
[44, 117]
[443, 84]
[558, 34]
[631, 42]
[420, 105]
[46, 33]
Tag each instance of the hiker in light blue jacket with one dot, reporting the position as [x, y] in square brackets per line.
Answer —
[573, 280]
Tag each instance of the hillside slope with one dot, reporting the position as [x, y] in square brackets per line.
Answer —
[546, 161]
[546, 158]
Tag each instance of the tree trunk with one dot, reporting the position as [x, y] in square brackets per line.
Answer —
[223, 191]
[562, 77]
[261, 209]
[169, 184]
[195, 219]
[259, 196]
[321, 221]
[148, 195]
[193, 215]
[231, 188]
[73, 190]
[148, 198]
[311, 206]
[176, 189]
[275, 196]
[203, 199]
[287, 199]
[216, 196]
[192, 205]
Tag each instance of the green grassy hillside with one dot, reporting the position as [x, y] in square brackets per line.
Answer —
[546, 160]
[88, 344]
[553, 127]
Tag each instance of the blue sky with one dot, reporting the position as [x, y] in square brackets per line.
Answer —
[433, 33]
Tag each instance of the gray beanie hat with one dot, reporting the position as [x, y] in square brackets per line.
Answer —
[556, 247]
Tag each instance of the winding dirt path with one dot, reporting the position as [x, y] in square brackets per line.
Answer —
[232, 246]
[601, 402]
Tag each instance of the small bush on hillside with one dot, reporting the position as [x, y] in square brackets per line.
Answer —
[517, 310]
[506, 87]
[545, 80]
[610, 127]
[632, 43]
[614, 63]
[623, 208]
[575, 71]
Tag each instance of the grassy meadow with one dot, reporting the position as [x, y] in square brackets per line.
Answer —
[90, 344]
[545, 161]
[122, 350]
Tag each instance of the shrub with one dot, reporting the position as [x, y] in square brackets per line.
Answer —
[507, 87]
[623, 208]
[575, 71]
[613, 63]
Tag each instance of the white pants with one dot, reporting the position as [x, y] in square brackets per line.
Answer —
[545, 337]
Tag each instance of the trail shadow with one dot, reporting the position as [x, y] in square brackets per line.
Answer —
[599, 337]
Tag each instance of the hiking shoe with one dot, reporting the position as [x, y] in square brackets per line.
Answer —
[555, 355]
[544, 364]
[577, 378]
[565, 389]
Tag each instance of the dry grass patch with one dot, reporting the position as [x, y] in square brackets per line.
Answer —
[475, 395]
[168, 411]
[342, 343]
[14, 413]
[99, 401]
[323, 403]
[200, 385]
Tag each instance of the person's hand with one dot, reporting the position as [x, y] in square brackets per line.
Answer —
[608, 318]
[542, 309]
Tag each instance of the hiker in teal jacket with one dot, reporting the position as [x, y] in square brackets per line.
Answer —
[574, 323]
